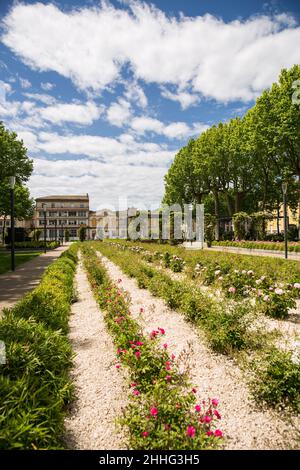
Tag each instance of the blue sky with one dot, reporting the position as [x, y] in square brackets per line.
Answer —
[104, 93]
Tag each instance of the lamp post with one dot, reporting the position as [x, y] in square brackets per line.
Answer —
[45, 227]
[191, 225]
[12, 182]
[285, 221]
[62, 238]
[55, 225]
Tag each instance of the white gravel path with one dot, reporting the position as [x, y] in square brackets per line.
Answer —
[100, 389]
[244, 425]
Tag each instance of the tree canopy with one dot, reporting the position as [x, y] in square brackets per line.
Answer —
[240, 165]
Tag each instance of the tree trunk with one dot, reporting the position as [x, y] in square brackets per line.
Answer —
[278, 217]
[228, 204]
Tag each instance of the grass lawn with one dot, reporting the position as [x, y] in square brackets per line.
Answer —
[20, 259]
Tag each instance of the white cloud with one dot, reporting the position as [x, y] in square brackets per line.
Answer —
[47, 86]
[105, 182]
[175, 130]
[183, 97]
[71, 112]
[202, 55]
[24, 83]
[136, 94]
[42, 97]
[119, 113]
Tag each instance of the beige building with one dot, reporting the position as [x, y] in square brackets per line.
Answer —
[113, 224]
[275, 225]
[68, 212]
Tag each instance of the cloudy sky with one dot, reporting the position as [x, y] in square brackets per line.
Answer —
[104, 93]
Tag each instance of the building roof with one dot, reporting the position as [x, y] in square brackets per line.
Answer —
[65, 197]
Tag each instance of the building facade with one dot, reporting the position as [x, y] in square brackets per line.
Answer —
[61, 213]
[113, 224]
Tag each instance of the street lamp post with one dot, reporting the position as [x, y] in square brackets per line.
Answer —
[55, 225]
[285, 221]
[12, 182]
[191, 224]
[45, 227]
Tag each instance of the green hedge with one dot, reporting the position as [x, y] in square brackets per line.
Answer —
[35, 245]
[34, 382]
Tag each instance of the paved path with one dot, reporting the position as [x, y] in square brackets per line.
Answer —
[254, 252]
[14, 285]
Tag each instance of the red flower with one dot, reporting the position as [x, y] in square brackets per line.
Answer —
[133, 385]
[209, 433]
[197, 408]
[214, 402]
[139, 343]
[168, 378]
[154, 411]
[165, 345]
[137, 354]
[145, 434]
[161, 330]
[218, 433]
[217, 414]
[207, 419]
[194, 390]
[142, 310]
[118, 366]
[136, 393]
[173, 357]
[190, 431]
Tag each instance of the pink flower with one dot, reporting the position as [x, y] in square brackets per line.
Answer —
[266, 298]
[279, 291]
[165, 345]
[173, 357]
[139, 343]
[118, 351]
[217, 414]
[190, 431]
[153, 334]
[137, 354]
[161, 330]
[136, 393]
[194, 390]
[215, 402]
[118, 366]
[232, 290]
[154, 411]
[142, 310]
[133, 385]
[209, 433]
[218, 433]
[197, 408]
[124, 351]
[145, 434]
[168, 378]
[168, 365]
[207, 419]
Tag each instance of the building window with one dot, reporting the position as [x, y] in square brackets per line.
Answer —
[81, 205]
[73, 232]
[72, 213]
[81, 214]
[72, 222]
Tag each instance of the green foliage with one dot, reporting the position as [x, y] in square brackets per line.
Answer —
[67, 235]
[240, 165]
[35, 245]
[82, 233]
[240, 219]
[34, 382]
[20, 258]
[274, 246]
[277, 379]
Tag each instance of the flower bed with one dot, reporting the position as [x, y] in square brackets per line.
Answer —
[258, 245]
[162, 412]
[226, 325]
[34, 382]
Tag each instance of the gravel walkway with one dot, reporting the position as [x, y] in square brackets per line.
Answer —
[244, 425]
[100, 390]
